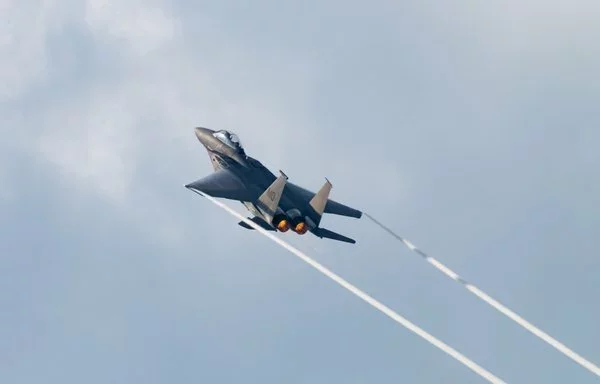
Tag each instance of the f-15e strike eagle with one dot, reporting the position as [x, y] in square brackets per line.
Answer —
[277, 205]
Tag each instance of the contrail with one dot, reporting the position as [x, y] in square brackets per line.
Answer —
[374, 303]
[494, 303]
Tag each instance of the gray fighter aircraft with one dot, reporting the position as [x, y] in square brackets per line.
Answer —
[277, 205]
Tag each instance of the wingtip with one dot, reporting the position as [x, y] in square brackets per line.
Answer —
[191, 188]
[283, 174]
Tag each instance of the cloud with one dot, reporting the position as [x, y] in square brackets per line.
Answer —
[112, 114]
[455, 106]
[11, 154]
[142, 26]
[95, 142]
[94, 132]
[22, 47]
[136, 117]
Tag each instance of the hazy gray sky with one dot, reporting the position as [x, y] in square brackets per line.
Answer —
[469, 127]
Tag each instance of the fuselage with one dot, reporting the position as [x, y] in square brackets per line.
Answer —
[229, 155]
[275, 202]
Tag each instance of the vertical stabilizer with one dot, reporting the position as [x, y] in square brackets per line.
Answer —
[269, 200]
[319, 201]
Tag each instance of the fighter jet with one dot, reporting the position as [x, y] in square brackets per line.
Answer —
[275, 203]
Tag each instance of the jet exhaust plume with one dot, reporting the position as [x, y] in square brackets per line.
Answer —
[356, 291]
[494, 303]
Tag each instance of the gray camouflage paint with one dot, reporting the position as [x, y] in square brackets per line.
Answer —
[240, 177]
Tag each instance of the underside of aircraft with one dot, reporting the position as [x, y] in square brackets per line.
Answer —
[276, 203]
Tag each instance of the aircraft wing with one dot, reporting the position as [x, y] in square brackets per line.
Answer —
[223, 184]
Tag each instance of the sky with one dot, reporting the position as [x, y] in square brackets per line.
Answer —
[470, 128]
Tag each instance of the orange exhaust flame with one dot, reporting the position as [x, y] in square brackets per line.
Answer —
[301, 228]
[283, 226]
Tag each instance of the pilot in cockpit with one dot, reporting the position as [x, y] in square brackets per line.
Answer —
[231, 140]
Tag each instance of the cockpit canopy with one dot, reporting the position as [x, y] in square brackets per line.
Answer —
[229, 139]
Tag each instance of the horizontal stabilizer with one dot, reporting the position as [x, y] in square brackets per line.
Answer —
[258, 221]
[336, 208]
[322, 232]
[332, 207]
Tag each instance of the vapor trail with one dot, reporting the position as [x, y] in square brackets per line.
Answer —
[374, 303]
[494, 303]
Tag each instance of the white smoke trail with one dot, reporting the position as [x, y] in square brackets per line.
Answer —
[374, 303]
[494, 303]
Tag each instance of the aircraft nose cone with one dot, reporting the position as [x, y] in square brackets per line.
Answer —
[203, 134]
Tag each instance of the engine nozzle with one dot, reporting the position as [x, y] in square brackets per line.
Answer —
[299, 223]
[301, 228]
[283, 225]
[281, 222]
